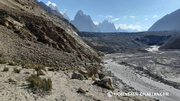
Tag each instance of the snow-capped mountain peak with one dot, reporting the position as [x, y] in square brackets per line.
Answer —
[54, 7]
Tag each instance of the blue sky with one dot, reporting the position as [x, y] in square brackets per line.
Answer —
[127, 14]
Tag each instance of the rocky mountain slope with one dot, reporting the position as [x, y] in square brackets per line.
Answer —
[168, 22]
[127, 41]
[175, 44]
[84, 22]
[31, 34]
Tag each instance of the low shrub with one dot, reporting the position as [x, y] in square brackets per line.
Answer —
[38, 84]
[17, 70]
[51, 69]
[6, 69]
[28, 65]
[40, 67]
[92, 70]
[12, 81]
[2, 61]
[12, 63]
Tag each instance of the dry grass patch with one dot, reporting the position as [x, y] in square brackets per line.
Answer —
[12, 63]
[17, 70]
[51, 69]
[40, 67]
[38, 84]
[5, 69]
[2, 61]
[28, 65]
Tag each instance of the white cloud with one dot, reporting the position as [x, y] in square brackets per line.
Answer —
[63, 10]
[96, 23]
[116, 19]
[132, 16]
[131, 27]
[138, 22]
[155, 16]
[107, 16]
[100, 15]
[146, 15]
[124, 17]
[49, 2]
[146, 19]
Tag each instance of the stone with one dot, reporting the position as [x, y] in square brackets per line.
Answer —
[4, 23]
[83, 72]
[81, 90]
[96, 75]
[106, 82]
[77, 75]
[101, 75]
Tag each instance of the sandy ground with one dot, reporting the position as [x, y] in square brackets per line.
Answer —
[64, 88]
[139, 82]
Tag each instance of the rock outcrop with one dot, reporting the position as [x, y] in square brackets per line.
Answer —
[175, 44]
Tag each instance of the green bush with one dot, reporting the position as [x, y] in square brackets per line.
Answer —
[51, 69]
[17, 70]
[6, 69]
[38, 84]
[2, 61]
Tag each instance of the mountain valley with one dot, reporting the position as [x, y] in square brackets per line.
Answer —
[45, 56]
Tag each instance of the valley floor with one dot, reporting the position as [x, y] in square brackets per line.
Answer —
[63, 88]
[161, 63]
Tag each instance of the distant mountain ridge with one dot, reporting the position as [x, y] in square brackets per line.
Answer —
[106, 26]
[49, 9]
[84, 22]
[121, 30]
[53, 9]
[167, 23]
[65, 16]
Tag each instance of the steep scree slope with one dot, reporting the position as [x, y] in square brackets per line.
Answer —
[29, 33]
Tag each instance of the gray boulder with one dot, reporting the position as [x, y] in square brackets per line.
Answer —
[77, 75]
[106, 82]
